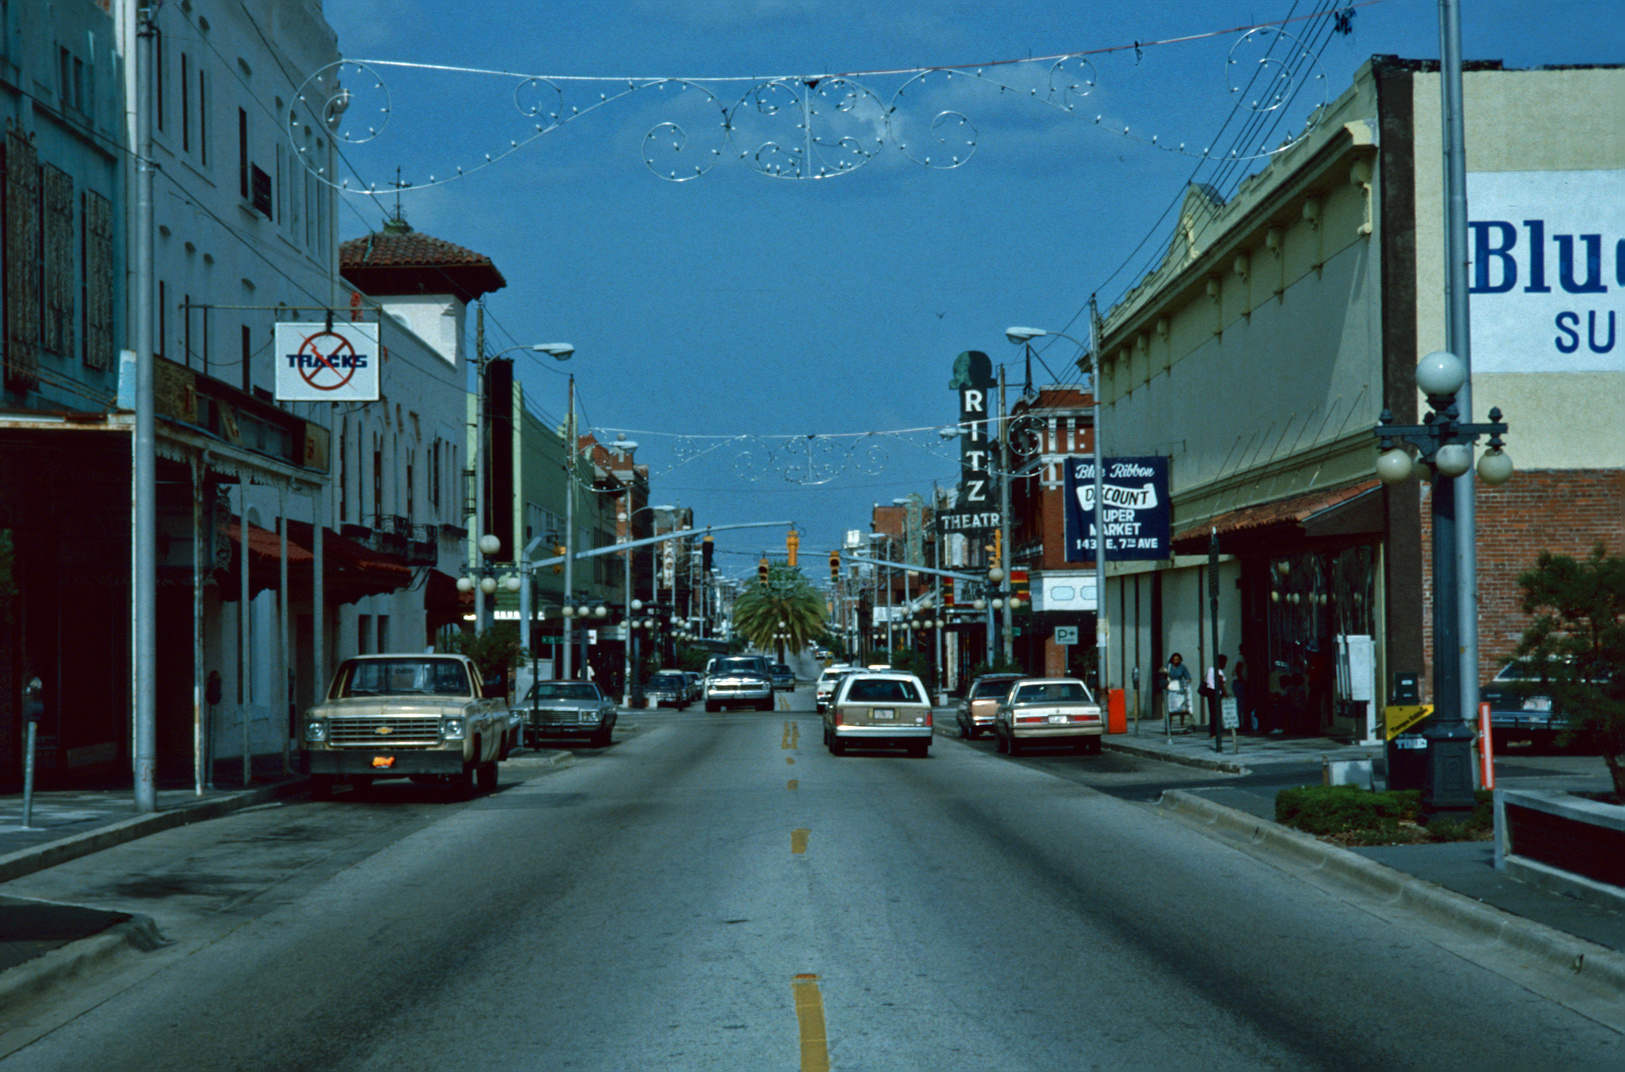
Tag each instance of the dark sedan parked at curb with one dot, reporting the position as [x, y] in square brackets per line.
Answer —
[784, 678]
[567, 709]
[669, 688]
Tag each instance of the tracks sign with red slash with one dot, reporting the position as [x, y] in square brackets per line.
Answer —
[321, 364]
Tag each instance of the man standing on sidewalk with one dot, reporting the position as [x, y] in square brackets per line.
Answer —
[1213, 688]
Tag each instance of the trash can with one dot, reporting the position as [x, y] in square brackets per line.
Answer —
[1407, 757]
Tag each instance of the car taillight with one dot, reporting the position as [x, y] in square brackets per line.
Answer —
[840, 717]
[928, 718]
[1030, 718]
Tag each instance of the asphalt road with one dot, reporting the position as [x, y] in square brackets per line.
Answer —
[717, 891]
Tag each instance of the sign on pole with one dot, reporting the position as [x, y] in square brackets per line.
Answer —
[1066, 634]
[321, 364]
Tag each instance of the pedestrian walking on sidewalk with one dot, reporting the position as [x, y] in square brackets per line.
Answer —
[1213, 690]
[1179, 689]
[1246, 715]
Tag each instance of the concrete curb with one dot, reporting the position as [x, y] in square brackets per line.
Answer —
[1471, 919]
[39, 857]
[1215, 762]
[26, 981]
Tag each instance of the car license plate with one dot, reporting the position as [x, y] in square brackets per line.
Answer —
[883, 712]
[1538, 703]
[383, 761]
[1057, 718]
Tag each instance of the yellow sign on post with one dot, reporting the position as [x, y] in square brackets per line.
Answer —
[1397, 720]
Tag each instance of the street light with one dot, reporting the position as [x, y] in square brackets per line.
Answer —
[1445, 444]
[559, 351]
[1020, 336]
[628, 689]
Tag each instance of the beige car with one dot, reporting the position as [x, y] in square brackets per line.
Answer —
[872, 709]
[975, 712]
[1049, 710]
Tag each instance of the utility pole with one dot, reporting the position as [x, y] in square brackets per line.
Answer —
[1102, 636]
[569, 526]
[144, 448]
[1006, 641]
[480, 462]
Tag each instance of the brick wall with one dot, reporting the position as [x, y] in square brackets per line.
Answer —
[1564, 511]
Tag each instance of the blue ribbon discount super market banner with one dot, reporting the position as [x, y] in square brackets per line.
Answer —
[1136, 519]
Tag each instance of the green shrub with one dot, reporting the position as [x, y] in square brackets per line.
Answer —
[1355, 816]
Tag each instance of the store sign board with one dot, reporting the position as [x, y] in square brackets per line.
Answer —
[1136, 521]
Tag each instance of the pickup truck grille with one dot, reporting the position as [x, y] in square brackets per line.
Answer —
[394, 732]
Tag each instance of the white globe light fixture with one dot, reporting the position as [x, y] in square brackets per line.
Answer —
[488, 585]
[489, 545]
[1441, 373]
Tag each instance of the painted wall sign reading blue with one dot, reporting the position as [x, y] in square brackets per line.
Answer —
[1136, 519]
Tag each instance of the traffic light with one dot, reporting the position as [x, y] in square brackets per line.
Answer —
[761, 572]
[561, 551]
[998, 546]
[792, 543]
[707, 553]
[835, 567]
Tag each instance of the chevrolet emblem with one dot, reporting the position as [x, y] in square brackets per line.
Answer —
[384, 730]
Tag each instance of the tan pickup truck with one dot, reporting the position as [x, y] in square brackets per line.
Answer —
[406, 716]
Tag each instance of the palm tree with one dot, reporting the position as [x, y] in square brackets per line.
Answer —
[787, 605]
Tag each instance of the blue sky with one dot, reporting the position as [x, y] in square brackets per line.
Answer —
[780, 348]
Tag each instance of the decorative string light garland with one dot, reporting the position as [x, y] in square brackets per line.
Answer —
[820, 457]
[805, 126]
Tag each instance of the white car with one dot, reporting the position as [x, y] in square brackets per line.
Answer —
[825, 688]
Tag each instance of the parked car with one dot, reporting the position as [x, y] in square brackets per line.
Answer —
[735, 680]
[1519, 710]
[784, 678]
[1049, 710]
[879, 708]
[567, 709]
[975, 712]
[415, 716]
[696, 685]
[667, 688]
[824, 689]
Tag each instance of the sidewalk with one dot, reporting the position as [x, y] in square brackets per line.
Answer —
[1464, 868]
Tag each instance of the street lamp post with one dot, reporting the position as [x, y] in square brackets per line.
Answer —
[626, 593]
[1444, 445]
[1022, 336]
[559, 351]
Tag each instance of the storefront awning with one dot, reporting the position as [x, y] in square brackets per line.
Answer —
[350, 570]
[264, 551]
[1352, 510]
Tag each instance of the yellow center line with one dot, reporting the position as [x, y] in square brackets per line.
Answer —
[792, 735]
[810, 1018]
[798, 841]
[793, 784]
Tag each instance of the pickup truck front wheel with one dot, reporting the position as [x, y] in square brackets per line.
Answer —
[321, 786]
[485, 776]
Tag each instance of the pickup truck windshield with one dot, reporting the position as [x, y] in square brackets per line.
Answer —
[736, 666]
[398, 677]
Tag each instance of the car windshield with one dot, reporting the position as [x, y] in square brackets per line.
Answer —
[564, 690]
[665, 681]
[1053, 692]
[883, 690]
[735, 666]
[396, 677]
[991, 690]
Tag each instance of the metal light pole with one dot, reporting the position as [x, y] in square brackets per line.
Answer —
[626, 592]
[559, 351]
[1444, 443]
[1023, 336]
